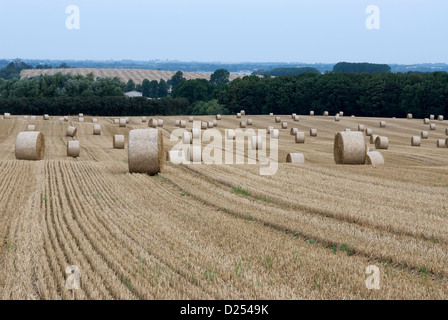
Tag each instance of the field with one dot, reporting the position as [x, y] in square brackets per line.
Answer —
[224, 231]
[137, 75]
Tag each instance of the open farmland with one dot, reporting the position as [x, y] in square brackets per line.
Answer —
[137, 75]
[224, 231]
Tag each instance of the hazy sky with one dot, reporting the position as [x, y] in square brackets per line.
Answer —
[308, 31]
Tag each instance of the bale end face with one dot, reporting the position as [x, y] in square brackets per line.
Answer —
[381, 142]
[30, 145]
[145, 151]
[118, 141]
[349, 148]
[374, 158]
[73, 149]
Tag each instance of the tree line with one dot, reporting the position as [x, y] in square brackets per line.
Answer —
[360, 94]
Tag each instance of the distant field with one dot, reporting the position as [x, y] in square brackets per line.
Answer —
[224, 231]
[137, 75]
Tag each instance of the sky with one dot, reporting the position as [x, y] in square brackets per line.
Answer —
[309, 31]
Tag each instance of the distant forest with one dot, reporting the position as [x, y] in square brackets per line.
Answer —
[360, 94]
[242, 67]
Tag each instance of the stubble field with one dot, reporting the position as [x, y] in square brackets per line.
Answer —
[224, 231]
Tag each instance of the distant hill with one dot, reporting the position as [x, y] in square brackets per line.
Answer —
[137, 75]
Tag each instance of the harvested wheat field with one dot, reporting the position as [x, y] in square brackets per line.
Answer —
[224, 231]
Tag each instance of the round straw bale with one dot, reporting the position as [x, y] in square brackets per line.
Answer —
[295, 158]
[46, 117]
[293, 131]
[145, 151]
[284, 125]
[33, 118]
[431, 117]
[426, 121]
[313, 132]
[143, 119]
[187, 138]
[269, 129]
[195, 133]
[238, 115]
[122, 123]
[349, 148]
[440, 118]
[293, 115]
[152, 123]
[127, 120]
[383, 124]
[243, 124]
[73, 148]
[71, 131]
[300, 137]
[249, 122]
[118, 141]
[160, 122]
[311, 113]
[415, 141]
[116, 121]
[271, 114]
[230, 134]
[80, 119]
[275, 133]
[7, 116]
[277, 119]
[381, 142]
[194, 154]
[66, 118]
[424, 134]
[256, 143]
[374, 158]
[409, 116]
[94, 120]
[360, 127]
[432, 126]
[81, 115]
[204, 125]
[441, 143]
[177, 123]
[190, 119]
[243, 112]
[368, 132]
[336, 117]
[183, 123]
[373, 138]
[30, 145]
[218, 117]
[341, 113]
[215, 123]
[296, 118]
[97, 129]
[210, 124]
[325, 113]
[31, 127]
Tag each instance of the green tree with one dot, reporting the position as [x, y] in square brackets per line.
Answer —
[130, 85]
[220, 77]
[176, 79]
[194, 90]
[153, 88]
[162, 90]
[145, 88]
